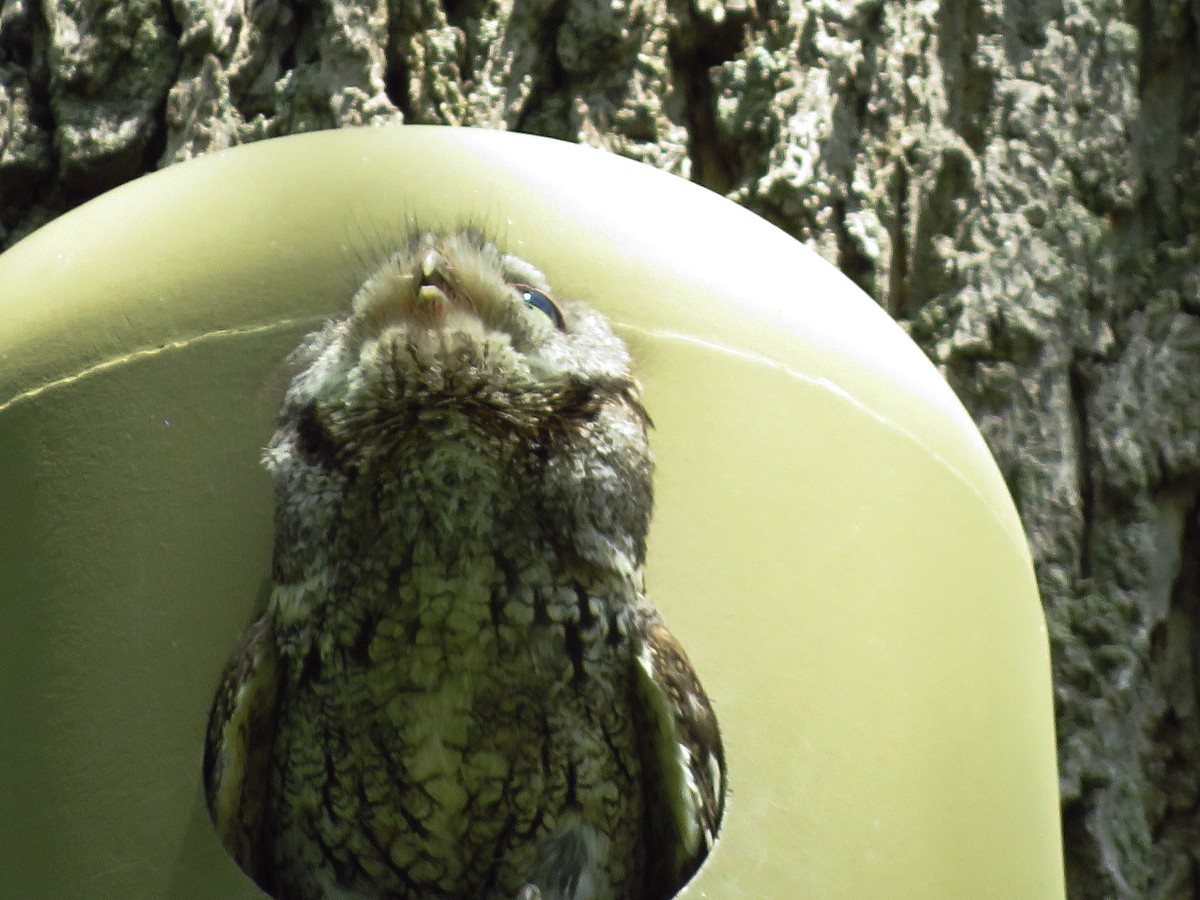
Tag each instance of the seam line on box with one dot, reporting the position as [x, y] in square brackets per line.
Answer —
[146, 352]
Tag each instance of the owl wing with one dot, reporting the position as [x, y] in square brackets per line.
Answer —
[682, 760]
[237, 751]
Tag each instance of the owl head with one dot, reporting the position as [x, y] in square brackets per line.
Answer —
[454, 305]
[453, 343]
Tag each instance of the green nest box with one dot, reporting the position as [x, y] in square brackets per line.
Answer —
[832, 541]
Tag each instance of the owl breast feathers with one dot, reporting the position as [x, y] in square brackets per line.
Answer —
[459, 689]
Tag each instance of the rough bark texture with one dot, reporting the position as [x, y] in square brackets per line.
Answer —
[1016, 180]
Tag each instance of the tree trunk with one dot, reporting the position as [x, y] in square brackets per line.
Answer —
[1017, 182]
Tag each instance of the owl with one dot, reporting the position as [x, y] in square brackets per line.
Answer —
[459, 688]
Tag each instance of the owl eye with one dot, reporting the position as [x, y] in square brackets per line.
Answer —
[542, 303]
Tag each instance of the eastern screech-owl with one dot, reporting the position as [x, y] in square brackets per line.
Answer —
[459, 689]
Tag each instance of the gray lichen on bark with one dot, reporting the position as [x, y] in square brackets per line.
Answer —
[1017, 182]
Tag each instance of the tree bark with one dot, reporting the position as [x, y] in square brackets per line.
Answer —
[1017, 182]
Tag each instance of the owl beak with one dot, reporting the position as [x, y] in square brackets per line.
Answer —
[433, 288]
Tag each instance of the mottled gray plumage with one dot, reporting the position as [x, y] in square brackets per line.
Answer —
[459, 689]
